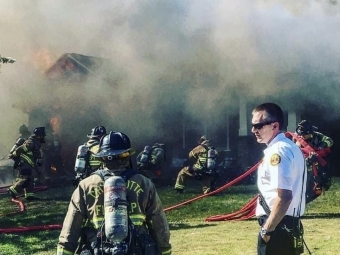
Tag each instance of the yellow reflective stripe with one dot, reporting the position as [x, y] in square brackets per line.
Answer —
[202, 159]
[179, 186]
[137, 219]
[95, 162]
[62, 251]
[13, 190]
[28, 159]
[97, 222]
[167, 252]
[327, 141]
[198, 166]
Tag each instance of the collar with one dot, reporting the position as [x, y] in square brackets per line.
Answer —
[278, 137]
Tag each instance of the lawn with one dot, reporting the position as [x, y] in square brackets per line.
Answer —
[190, 233]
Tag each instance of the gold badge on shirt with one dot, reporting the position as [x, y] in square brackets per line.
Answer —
[275, 159]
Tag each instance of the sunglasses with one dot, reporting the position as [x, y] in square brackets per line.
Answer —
[261, 124]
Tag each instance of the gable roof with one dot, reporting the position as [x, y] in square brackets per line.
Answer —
[70, 64]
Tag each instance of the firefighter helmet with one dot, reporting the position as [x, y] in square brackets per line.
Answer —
[202, 139]
[115, 144]
[97, 132]
[23, 129]
[305, 127]
[39, 131]
[159, 145]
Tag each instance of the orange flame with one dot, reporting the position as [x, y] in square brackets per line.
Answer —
[42, 60]
[55, 123]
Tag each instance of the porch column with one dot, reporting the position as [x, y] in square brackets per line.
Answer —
[292, 121]
[243, 145]
[243, 130]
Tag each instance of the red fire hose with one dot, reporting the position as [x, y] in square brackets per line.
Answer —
[17, 200]
[307, 149]
[215, 191]
[248, 211]
[245, 213]
[4, 189]
[22, 209]
[57, 226]
[29, 229]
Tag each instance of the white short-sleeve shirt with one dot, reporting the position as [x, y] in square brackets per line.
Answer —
[283, 167]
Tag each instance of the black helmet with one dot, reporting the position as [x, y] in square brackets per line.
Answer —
[97, 132]
[305, 127]
[115, 144]
[40, 131]
[23, 129]
[159, 145]
[202, 139]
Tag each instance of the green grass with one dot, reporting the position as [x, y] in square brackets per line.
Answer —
[190, 234]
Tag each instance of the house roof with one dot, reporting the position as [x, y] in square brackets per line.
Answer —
[70, 64]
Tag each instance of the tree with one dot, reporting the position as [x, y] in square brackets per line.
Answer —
[6, 60]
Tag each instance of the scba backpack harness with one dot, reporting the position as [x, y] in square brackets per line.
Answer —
[117, 234]
[318, 180]
[209, 166]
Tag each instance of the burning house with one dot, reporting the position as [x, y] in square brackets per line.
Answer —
[87, 93]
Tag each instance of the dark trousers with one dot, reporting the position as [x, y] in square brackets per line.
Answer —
[281, 242]
[23, 182]
[188, 173]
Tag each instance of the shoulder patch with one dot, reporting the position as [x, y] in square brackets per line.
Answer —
[275, 159]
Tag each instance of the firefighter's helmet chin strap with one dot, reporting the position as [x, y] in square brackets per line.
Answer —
[114, 163]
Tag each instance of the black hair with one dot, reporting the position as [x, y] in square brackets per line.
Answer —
[274, 112]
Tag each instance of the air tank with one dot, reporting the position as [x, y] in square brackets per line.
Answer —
[145, 154]
[115, 209]
[211, 161]
[79, 166]
[18, 143]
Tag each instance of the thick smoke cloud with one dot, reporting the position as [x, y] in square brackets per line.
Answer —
[171, 61]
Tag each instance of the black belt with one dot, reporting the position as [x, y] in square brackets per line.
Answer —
[288, 220]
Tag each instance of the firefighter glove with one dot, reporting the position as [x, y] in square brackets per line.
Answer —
[10, 156]
[311, 157]
[322, 145]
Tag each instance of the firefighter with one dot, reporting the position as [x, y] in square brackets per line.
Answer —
[151, 159]
[52, 154]
[92, 163]
[204, 169]
[86, 214]
[24, 132]
[29, 155]
[319, 146]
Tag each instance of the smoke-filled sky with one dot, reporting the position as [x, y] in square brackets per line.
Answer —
[170, 58]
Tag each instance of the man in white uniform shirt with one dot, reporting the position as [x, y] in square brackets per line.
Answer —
[281, 182]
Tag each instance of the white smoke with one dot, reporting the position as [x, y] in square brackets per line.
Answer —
[169, 58]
